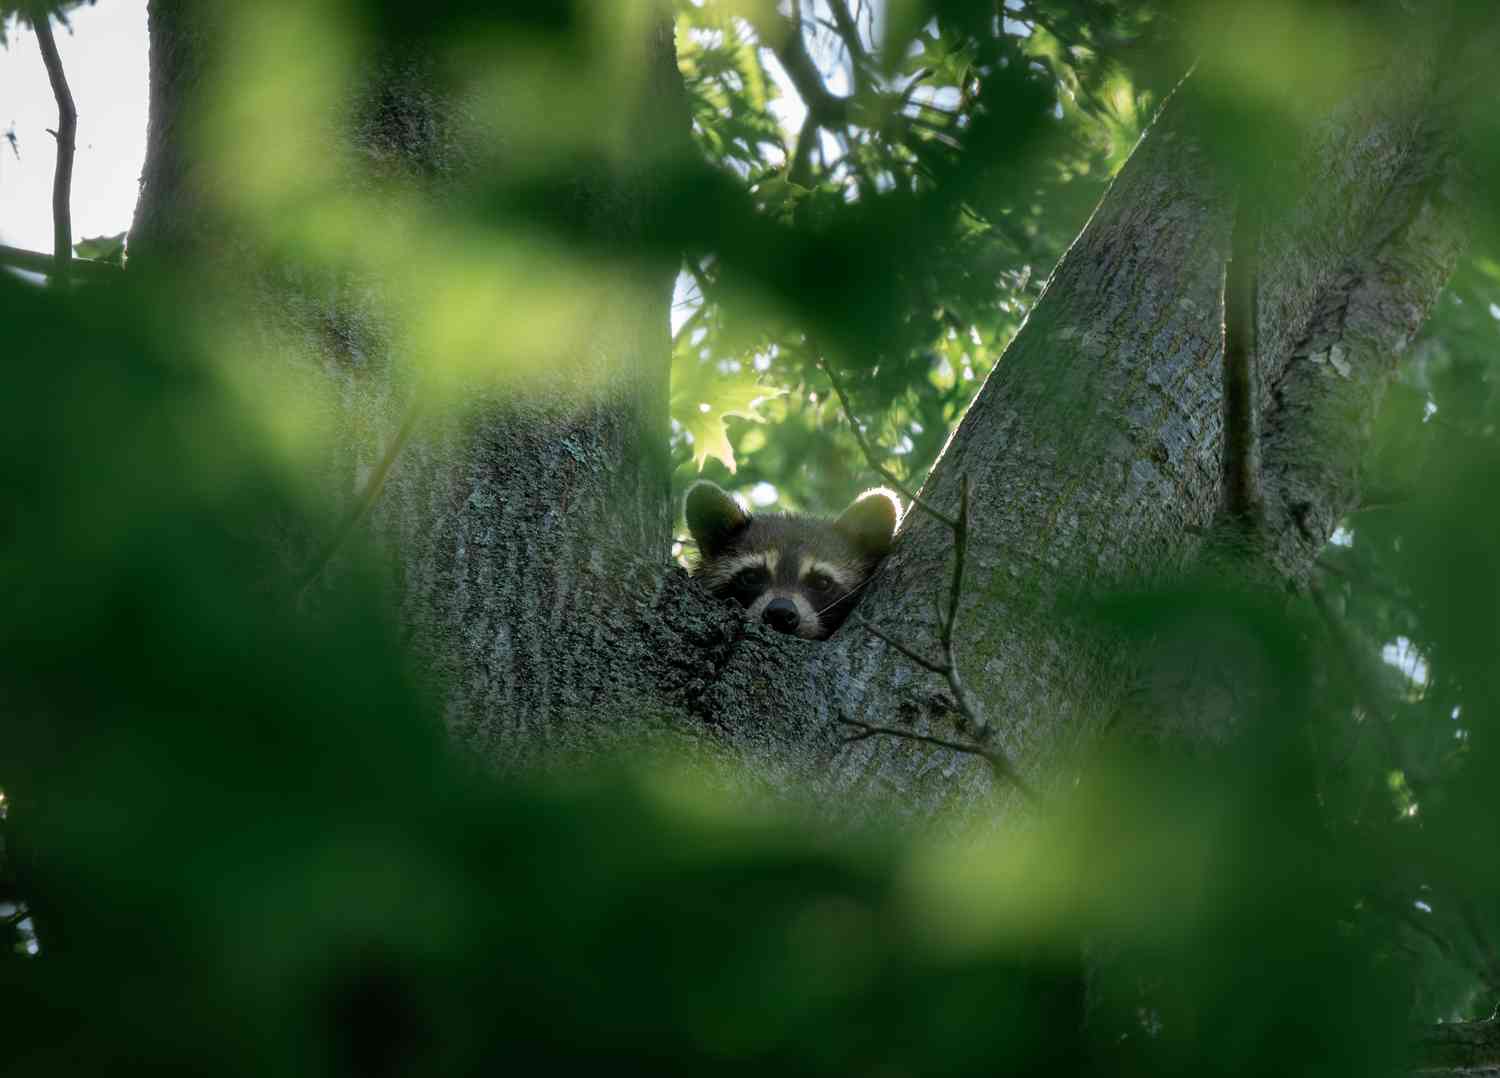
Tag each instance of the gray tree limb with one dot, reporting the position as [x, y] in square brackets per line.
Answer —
[67, 136]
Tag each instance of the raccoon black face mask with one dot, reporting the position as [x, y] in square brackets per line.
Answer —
[800, 575]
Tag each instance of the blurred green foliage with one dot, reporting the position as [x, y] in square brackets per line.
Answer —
[242, 842]
[110, 249]
[234, 837]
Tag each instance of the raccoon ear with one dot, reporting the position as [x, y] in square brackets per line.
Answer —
[713, 516]
[870, 523]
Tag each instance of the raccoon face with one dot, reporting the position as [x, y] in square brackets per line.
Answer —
[800, 575]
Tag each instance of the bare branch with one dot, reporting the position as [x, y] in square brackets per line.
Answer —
[873, 459]
[66, 135]
[998, 761]
[970, 712]
[36, 262]
[925, 664]
[968, 707]
[960, 555]
[849, 32]
[824, 109]
[700, 276]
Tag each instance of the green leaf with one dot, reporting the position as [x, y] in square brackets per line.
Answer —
[109, 249]
[703, 397]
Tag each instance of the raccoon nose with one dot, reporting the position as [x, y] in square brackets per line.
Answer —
[781, 615]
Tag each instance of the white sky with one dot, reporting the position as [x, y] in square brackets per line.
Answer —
[105, 60]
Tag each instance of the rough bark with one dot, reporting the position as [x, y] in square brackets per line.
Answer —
[522, 529]
[1093, 452]
[530, 534]
[172, 217]
[1469, 1048]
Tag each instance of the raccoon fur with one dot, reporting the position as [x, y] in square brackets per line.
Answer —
[799, 574]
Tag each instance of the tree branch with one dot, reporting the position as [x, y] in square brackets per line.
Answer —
[924, 663]
[847, 30]
[66, 135]
[824, 109]
[873, 460]
[997, 760]
[36, 262]
[971, 714]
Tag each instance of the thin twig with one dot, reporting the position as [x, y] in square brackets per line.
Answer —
[849, 31]
[873, 459]
[960, 555]
[968, 707]
[66, 135]
[997, 760]
[824, 109]
[700, 277]
[924, 663]
[369, 495]
[970, 712]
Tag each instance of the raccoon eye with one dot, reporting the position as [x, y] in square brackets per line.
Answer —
[818, 581]
[751, 580]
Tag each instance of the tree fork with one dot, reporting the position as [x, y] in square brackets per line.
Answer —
[1092, 453]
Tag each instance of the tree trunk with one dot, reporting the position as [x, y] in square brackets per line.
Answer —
[1093, 452]
[530, 534]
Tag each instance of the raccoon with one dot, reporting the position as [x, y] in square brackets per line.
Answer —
[800, 575]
